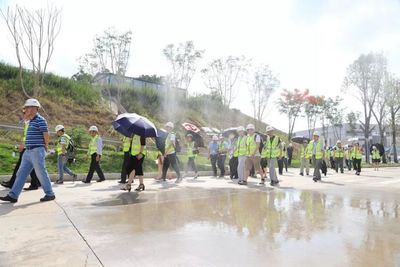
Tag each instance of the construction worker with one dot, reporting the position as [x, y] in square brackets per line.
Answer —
[357, 156]
[282, 158]
[349, 156]
[253, 151]
[213, 148]
[305, 156]
[135, 164]
[62, 144]
[271, 152]
[170, 153]
[242, 155]
[191, 151]
[290, 154]
[36, 146]
[338, 155]
[317, 154]
[233, 157]
[95, 150]
[126, 146]
[376, 158]
[223, 148]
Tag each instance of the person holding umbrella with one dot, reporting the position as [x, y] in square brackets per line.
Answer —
[271, 152]
[126, 146]
[317, 154]
[191, 152]
[94, 152]
[170, 153]
[135, 165]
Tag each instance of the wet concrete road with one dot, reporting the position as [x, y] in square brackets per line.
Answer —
[345, 221]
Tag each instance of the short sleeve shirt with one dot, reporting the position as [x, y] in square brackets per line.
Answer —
[34, 135]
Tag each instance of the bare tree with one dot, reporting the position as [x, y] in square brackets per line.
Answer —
[35, 31]
[183, 59]
[263, 84]
[331, 116]
[393, 104]
[363, 79]
[222, 75]
[352, 119]
[380, 110]
[291, 104]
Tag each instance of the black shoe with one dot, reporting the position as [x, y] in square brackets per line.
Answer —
[47, 198]
[274, 183]
[6, 184]
[242, 182]
[100, 180]
[308, 174]
[141, 187]
[9, 199]
[262, 181]
[122, 182]
[302, 174]
[85, 182]
[30, 188]
[59, 182]
[315, 179]
[74, 177]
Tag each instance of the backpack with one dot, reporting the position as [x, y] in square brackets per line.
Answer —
[71, 151]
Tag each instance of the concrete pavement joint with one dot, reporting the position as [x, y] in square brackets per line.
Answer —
[81, 235]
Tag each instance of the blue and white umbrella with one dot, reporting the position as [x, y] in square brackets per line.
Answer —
[129, 124]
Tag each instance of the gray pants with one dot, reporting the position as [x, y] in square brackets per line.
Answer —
[272, 170]
[317, 167]
[305, 163]
[339, 164]
[241, 169]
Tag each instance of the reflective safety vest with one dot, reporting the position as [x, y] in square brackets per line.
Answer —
[169, 145]
[242, 146]
[252, 145]
[356, 153]
[283, 151]
[222, 149]
[271, 148]
[375, 154]
[338, 152]
[59, 145]
[303, 152]
[126, 144]
[25, 131]
[235, 148]
[189, 149]
[93, 145]
[135, 146]
[318, 152]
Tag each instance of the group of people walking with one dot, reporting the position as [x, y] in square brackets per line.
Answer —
[247, 150]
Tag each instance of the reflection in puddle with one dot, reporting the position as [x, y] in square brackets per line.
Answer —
[287, 228]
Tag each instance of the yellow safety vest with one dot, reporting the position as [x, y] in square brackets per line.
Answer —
[126, 144]
[169, 145]
[135, 146]
[25, 131]
[189, 149]
[356, 153]
[59, 145]
[303, 152]
[318, 152]
[93, 145]
[235, 148]
[251, 145]
[271, 148]
[242, 146]
[375, 154]
[338, 152]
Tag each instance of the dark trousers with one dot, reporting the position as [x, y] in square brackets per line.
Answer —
[339, 164]
[357, 165]
[170, 160]
[282, 162]
[213, 159]
[233, 164]
[221, 164]
[94, 166]
[124, 175]
[191, 165]
[290, 160]
[333, 163]
[348, 164]
[34, 179]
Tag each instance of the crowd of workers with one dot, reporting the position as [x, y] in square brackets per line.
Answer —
[249, 153]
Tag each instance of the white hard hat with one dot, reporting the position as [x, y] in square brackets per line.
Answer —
[316, 133]
[215, 138]
[338, 142]
[59, 127]
[32, 102]
[373, 147]
[250, 127]
[240, 129]
[169, 124]
[93, 128]
[269, 129]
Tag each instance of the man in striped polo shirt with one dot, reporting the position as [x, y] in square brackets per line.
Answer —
[36, 144]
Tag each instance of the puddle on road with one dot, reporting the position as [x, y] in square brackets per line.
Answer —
[249, 228]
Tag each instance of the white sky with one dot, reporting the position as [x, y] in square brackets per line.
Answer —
[309, 44]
